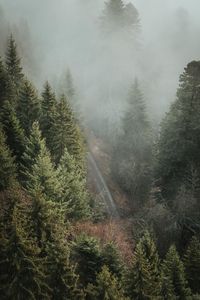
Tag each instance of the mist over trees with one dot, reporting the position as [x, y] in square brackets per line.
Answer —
[94, 89]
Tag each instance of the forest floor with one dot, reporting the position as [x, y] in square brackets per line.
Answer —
[117, 226]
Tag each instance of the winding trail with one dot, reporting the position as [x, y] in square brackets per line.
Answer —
[102, 187]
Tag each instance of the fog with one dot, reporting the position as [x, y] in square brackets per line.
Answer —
[66, 34]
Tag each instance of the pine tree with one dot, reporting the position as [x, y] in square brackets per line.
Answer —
[120, 18]
[73, 188]
[111, 258]
[63, 279]
[66, 134]
[68, 86]
[37, 172]
[192, 264]
[112, 19]
[7, 169]
[50, 233]
[143, 281]
[86, 253]
[33, 148]
[152, 256]
[178, 145]
[15, 137]
[106, 288]
[29, 106]
[132, 154]
[6, 86]
[174, 274]
[13, 63]
[48, 116]
[22, 274]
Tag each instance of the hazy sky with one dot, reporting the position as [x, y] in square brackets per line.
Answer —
[65, 33]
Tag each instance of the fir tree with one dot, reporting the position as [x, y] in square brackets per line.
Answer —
[112, 19]
[48, 116]
[66, 134]
[180, 127]
[152, 256]
[192, 264]
[73, 187]
[22, 275]
[8, 169]
[86, 253]
[111, 258]
[29, 106]
[38, 173]
[132, 154]
[174, 274]
[33, 147]
[68, 86]
[143, 280]
[120, 18]
[106, 288]
[15, 137]
[13, 62]
[62, 276]
[6, 86]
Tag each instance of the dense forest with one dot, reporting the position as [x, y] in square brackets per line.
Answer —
[97, 205]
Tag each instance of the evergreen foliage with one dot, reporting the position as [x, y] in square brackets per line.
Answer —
[13, 62]
[143, 280]
[63, 279]
[178, 145]
[15, 137]
[68, 86]
[22, 275]
[174, 274]
[106, 288]
[119, 18]
[73, 187]
[7, 169]
[37, 171]
[29, 106]
[6, 86]
[192, 264]
[66, 134]
[87, 254]
[132, 154]
[112, 259]
[48, 116]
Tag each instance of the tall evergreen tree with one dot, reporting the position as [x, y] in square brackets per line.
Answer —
[138, 284]
[13, 62]
[113, 16]
[106, 288]
[86, 253]
[73, 187]
[6, 86]
[7, 169]
[68, 86]
[131, 163]
[48, 116]
[112, 259]
[143, 281]
[29, 106]
[15, 136]
[50, 233]
[192, 264]
[21, 275]
[66, 134]
[174, 274]
[178, 145]
[120, 18]
[62, 276]
[38, 173]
